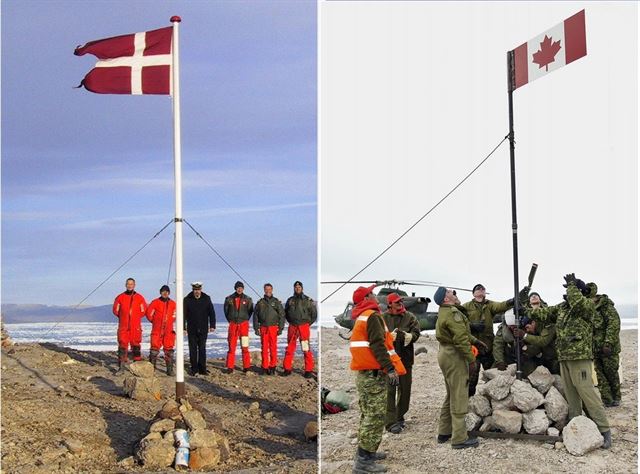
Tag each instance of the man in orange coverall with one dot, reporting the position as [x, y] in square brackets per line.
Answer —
[238, 309]
[162, 314]
[129, 307]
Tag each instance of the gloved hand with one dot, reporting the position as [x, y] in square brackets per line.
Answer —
[257, 331]
[519, 333]
[477, 326]
[569, 278]
[524, 293]
[394, 335]
[394, 378]
[510, 302]
[483, 347]
[501, 366]
[407, 338]
[472, 368]
[606, 350]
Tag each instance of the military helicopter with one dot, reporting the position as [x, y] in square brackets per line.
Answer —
[416, 304]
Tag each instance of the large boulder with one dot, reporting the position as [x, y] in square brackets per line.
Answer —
[507, 421]
[480, 405]
[142, 389]
[487, 424]
[472, 421]
[535, 422]
[203, 458]
[541, 379]
[498, 388]
[581, 436]
[556, 406]
[525, 397]
[170, 410]
[162, 426]
[202, 438]
[558, 384]
[491, 374]
[194, 420]
[504, 404]
[142, 368]
[156, 453]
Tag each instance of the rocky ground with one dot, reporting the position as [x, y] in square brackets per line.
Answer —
[415, 450]
[63, 411]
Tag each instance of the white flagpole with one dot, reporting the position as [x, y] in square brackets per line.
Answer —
[180, 389]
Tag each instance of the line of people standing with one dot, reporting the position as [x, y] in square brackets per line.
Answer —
[269, 316]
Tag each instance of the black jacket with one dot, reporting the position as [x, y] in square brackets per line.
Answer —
[234, 315]
[300, 309]
[199, 314]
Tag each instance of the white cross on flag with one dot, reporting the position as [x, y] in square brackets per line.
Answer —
[138, 63]
[556, 47]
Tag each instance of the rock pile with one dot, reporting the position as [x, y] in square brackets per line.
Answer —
[142, 383]
[180, 429]
[534, 406]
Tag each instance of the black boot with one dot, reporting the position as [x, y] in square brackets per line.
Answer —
[153, 358]
[137, 355]
[365, 462]
[122, 359]
[168, 359]
[607, 439]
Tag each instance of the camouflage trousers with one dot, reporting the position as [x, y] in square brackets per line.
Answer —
[372, 393]
[608, 378]
[579, 388]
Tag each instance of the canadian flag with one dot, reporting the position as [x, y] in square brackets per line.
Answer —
[138, 63]
[556, 47]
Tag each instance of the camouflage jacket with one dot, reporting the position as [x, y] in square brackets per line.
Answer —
[607, 333]
[542, 343]
[504, 346]
[574, 327]
[452, 327]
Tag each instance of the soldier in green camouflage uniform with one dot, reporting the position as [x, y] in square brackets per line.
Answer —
[574, 343]
[504, 348]
[372, 386]
[606, 347]
[456, 362]
[539, 334]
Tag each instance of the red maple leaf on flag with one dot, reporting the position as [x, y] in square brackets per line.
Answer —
[547, 52]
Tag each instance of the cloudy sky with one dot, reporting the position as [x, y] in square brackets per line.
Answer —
[413, 96]
[88, 178]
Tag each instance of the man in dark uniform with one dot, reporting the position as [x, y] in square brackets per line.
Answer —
[300, 312]
[405, 330]
[457, 362]
[268, 322]
[238, 308]
[199, 321]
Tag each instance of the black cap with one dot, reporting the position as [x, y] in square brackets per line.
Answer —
[238, 284]
[165, 288]
[479, 286]
[298, 283]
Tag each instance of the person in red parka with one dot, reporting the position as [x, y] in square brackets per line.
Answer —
[129, 307]
[162, 314]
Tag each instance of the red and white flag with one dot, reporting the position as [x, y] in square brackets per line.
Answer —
[139, 63]
[556, 47]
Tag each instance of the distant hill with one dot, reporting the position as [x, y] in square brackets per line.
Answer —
[40, 313]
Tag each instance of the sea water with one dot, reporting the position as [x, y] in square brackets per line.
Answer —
[102, 337]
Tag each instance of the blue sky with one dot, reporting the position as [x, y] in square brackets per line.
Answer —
[88, 178]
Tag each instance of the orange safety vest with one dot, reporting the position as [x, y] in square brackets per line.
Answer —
[362, 357]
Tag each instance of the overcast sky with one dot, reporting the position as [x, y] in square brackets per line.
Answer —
[413, 96]
[88, 178]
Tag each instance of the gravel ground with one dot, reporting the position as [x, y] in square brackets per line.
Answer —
[415, 450]
[53, 396]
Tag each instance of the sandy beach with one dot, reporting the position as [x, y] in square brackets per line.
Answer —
[52, 395]
[415, 450]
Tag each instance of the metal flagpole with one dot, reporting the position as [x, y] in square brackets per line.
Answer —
[180, 389]
[514, 215]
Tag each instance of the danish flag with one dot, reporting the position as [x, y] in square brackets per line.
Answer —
[138, 63]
